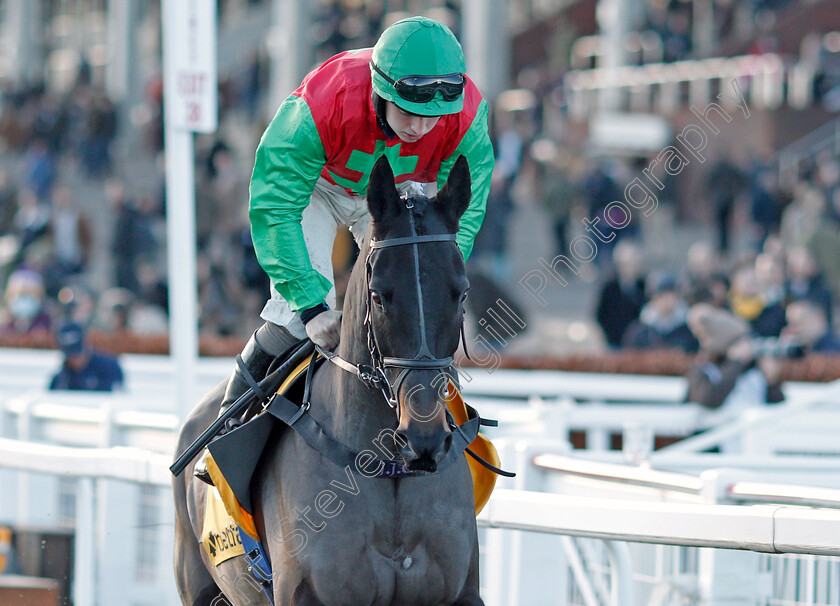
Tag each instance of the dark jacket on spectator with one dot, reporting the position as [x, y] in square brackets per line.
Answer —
[618, 307]
[654, 332]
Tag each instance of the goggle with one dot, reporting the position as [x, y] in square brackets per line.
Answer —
[422, 89]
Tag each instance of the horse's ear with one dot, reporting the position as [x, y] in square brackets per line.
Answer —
[382, 196]
[454, 197]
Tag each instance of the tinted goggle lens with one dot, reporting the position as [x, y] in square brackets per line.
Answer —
[422, 89]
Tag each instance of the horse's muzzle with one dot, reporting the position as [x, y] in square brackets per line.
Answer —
[424, 451]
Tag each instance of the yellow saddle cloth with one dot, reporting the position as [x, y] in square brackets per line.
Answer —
[483, 479]
[219, 534]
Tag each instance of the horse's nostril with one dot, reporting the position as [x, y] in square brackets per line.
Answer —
[424, 452]
[401, 442]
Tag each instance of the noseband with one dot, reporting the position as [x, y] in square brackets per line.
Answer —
[373, 375]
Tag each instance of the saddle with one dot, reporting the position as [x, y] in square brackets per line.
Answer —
[234, 457]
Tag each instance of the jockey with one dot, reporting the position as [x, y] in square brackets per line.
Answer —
[407, 98]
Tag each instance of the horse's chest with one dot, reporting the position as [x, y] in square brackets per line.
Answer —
[383, 564]
[385, 543]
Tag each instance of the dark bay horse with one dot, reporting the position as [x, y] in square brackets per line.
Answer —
[341, 536]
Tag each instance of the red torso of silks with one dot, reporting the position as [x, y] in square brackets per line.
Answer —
[339, 97]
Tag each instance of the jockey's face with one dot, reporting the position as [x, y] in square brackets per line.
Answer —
[409, 127]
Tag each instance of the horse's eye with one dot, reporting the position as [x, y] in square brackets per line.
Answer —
[376, 298]
[464, 296]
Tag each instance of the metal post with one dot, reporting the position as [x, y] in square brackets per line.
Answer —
[22, 30]
[612, 20]
[120, 70]
[703, 28]
[180, 232]
[486, 42]
[289, 49]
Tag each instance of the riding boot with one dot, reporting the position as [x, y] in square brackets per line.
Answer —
[256, 361]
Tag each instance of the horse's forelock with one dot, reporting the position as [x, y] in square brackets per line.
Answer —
[397, 224]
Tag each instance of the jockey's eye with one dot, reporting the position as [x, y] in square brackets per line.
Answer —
[376, 298]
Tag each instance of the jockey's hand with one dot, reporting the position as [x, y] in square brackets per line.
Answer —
[325, 329]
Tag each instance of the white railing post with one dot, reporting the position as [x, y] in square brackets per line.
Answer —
[621, 586]
[579, 571]
[84, 556]
[721, 577]
[108, 427]
[24, 433]
[497, 559]
[810, 581]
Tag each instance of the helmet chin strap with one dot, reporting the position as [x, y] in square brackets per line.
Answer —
[379, 110]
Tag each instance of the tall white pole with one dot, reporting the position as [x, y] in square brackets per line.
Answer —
[180, 236]
[290, 50]
[22, 33]
[190, 82]
[486, 42]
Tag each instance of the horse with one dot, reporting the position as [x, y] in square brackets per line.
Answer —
[340, 536]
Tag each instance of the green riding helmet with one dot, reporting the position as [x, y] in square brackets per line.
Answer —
[418, 64]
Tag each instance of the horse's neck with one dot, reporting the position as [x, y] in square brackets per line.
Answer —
[349, 411]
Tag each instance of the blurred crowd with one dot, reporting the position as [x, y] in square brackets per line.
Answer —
[82, 232]
[82, 220]
[784, 283]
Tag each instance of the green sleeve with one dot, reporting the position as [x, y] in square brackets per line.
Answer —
[288, 162]
[478, 150]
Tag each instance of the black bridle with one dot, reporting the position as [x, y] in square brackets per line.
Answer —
[374, 375]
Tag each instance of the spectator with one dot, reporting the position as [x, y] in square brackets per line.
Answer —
[253, 276]
[724, 183]
[31, 221]
[71, 241]
[808, 327]
[133, 237]
[100, 128]
[622, 296]
[25, 303]
[727, 374]
[558, 191]
[599, 189]
[8, 201]
[121, 310]
[747, 301]
[112, 312]
[770, 273]
[804, 281]
[766, 204]
[51, 123]
[84, 368]
[41, 169]
[704, 279]
[490, 251]
[662, 322]
[803, 216]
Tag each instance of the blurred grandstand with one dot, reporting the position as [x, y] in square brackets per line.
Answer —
[586, 97]
[651, 155]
